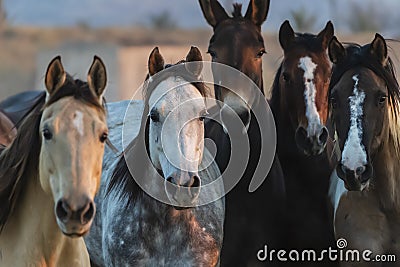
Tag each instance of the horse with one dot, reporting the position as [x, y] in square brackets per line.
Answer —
[51, 171]
[252, 220]
[364, 106]
[132, 227]
[299, 103]
[7, 130]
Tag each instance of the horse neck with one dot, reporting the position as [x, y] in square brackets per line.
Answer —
[33, 226]
[387, 174]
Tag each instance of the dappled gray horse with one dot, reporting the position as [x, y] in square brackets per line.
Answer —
[134, 229]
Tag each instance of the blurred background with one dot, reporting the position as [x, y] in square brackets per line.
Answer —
[123, 33]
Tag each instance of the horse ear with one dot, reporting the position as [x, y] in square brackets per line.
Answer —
[55, 75]
[213, 12]
[286, 35]
[257, 11]
[156, 62]
[97, 77]
[195, 60]
[326, 35]
[336, 50]
[378, 49]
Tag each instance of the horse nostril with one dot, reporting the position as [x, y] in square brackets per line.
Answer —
[63, 211]
[87, 213]
[323, 136]
[195, 181]
[171, 180]
[360, 170]
[244, 117]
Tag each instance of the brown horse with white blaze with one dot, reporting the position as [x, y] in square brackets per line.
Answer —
[51, 172]
[300, 106]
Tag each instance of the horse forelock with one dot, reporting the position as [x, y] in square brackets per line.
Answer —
[237, 10]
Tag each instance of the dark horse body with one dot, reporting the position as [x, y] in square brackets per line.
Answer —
[299, 103]
[12, 110]
[252, 219]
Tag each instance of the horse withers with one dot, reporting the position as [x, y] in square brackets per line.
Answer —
[364, 103]
[50, 173]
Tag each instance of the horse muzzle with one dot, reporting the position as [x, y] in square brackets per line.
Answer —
[183, 189]
[235, 119]
[75, 218]
[311, 144]
[357, 179]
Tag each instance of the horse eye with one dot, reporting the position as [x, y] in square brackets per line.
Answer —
[382, 100]
[47, 134]
[203, 116]
[104, 137]
[286, 77]
[154, 116]
[333, 102]
[212, 53]
[261, 53]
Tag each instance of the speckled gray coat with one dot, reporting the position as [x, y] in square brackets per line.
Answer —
[145, 232]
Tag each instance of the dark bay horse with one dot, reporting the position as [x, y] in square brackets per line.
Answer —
[364, 105]
[252, 219]
[133, 227]
[300, 106]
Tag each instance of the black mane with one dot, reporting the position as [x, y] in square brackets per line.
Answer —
[359, 56]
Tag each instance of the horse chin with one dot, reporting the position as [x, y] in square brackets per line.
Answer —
[353, 184]
[74, 231]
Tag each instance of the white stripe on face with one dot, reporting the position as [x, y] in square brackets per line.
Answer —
[78, 122]
[354, 154]
[314, 121]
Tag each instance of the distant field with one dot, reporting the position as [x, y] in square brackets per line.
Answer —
[20, 46]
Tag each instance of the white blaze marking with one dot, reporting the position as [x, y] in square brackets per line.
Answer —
[354, 154]
[78, 122]
[312, 114]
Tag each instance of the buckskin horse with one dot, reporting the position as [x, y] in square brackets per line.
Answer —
[300, 106]
[252, 219]
[364, 103]
[51, 172]
[166, 158]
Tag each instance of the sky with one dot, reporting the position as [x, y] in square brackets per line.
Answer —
[186, 13]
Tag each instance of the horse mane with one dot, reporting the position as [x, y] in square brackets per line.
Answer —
[19, 161]
[359, 56]
[275, 91]
[122, 176]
